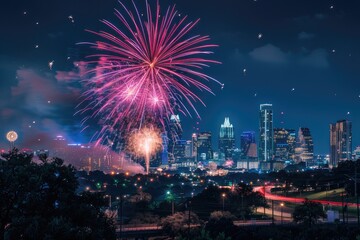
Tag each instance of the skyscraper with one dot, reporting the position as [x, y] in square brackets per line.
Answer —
[340, 142]
[226, 139]
[304, 146]
[246, 139]
[204, 149]
[175, 134]
[284, 144]
[266, 142]
[194, 145]
[164, 152]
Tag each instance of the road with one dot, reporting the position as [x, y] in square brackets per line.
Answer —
[268, 195]
[155, 227]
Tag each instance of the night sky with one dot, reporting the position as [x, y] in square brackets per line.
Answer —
[301, 56]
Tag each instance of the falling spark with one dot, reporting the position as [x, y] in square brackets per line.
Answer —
[51, 63]
[145, 143]
[71, 18]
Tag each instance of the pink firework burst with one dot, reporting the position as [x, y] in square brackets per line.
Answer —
[148, 65]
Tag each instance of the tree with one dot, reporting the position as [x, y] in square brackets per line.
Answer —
[308, 213]
[220, 222]
[177, 224]
[39, 200]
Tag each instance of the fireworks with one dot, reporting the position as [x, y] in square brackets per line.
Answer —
[144, 143]
[149, 65]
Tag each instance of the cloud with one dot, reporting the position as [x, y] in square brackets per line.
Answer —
[317, 58]
[309, 19]
[54, 35]
[274, 55]
[269, 54]
[38, 104]
[305, 36]
[74, 75]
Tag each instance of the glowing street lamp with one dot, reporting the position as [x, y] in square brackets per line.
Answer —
[281, 207]
[171, 197]
[223, 200]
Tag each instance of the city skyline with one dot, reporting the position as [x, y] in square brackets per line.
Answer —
[303, 68]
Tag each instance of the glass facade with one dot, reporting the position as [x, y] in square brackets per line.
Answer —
[246, 139]
[284, 144]
[227, 139]
[340, 142]
[304, 146]
[266, 142]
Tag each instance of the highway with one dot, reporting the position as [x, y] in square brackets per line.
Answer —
[155, 227]
[268, 195]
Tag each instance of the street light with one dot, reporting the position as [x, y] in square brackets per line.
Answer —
[281, 207]
[108, 196]
[170, 197]
[223, 201]
[356, 194]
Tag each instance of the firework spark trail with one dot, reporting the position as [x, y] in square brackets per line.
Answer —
[149, 66]
[145, 143]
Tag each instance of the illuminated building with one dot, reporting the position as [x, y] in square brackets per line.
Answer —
[284, 144]
[175, 132]
[340, 142]
[356, 153]
[226, 139]
[59, 146]
[304, 151]
[164, 152]
[183, 152]
[266, 142]
[194, 144]
[179, 150]
[246, 139]
[204, 149]
[188, 149]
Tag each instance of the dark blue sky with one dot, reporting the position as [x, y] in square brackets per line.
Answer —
[306, 45]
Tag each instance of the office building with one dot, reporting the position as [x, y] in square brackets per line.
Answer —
[340, 142]
[247, 142]
[266, 138]
[356, 154]
[284, 144]
[304, 151]
[204, 148]
[175, 134]
[226, 139]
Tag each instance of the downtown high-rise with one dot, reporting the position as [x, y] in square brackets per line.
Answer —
[204, 146]
[284, 144]
[226, 139]
[175, 134]
[340, 142]
[266, 138]
[248, 144]
[304, 151]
